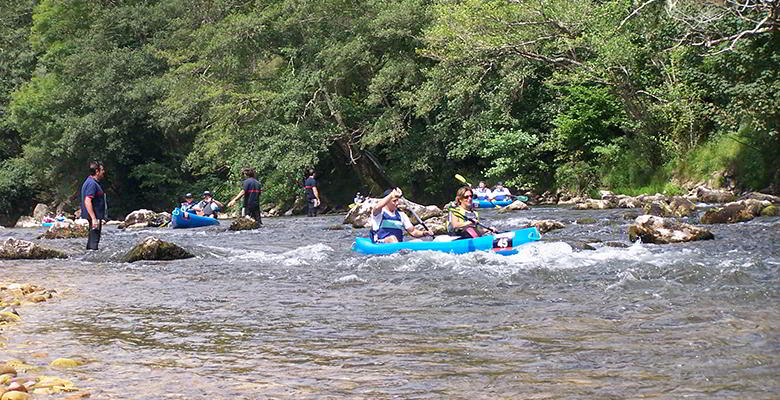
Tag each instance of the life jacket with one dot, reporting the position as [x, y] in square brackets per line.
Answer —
[469, 214]
[501, 194]
[482, 194]
[391, 225]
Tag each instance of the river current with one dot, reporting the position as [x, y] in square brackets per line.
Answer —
[289, 311]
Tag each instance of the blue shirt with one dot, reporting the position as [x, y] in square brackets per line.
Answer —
[91, 188]
[309, 184]
[252, 192]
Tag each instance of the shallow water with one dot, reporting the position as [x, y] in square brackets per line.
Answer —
[291, 311]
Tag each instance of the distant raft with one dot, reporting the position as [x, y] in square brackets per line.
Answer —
[496, 203]
[184, 219]
[505, 243]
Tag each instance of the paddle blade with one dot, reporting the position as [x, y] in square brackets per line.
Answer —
[460, 178]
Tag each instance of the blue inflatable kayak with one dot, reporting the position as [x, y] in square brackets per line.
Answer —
[184, 219]
[503, 243]
[496, 203]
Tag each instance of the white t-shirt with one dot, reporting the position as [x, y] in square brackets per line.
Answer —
[500, 192]
[377, 219]
[482, 193]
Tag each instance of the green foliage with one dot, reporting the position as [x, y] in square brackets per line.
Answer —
[17, 191]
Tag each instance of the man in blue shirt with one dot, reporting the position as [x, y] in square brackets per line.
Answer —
[251, 194]
[312, 193]
[93, 203]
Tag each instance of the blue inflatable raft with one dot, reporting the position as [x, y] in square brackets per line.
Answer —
[477, 203]
[503, 243]
[184, 219]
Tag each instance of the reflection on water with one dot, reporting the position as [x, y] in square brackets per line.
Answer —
[290, 311]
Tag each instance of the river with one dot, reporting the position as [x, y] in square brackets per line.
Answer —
[289, 311]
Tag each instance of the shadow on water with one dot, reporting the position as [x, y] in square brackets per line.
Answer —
[290, 311]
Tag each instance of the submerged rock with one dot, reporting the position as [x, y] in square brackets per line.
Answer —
[652, 229]
[153, 248]
[738, 211]
[243, 224]
[13, 249]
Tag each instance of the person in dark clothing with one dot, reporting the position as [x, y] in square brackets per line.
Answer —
[251, 193]
[188, 202]
[312, 193]
[93, 203]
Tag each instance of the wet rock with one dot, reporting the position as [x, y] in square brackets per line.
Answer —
[586, 221]
[40, 212]
[153, 248]
[66, 363]
[16, 386]
[516, 205]
[565, 200]
[591, 204]
[770, 211]
[12, 249]
[714, 196]
[652, 229]
[27, 222]
[9, 317]
[145, 218]
[15, 395]
[545, 225]
[437, 224]
[761, 197]
[7, 370]
[682, 207]
[65, 230]
[738, 211]
[579, 245]
[243, 224]
[617, 244]
[113, 222]
[52, 385]
[628, 202]
[335, 228]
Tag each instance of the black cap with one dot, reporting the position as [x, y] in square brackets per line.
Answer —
[188, 196]
[388, 191]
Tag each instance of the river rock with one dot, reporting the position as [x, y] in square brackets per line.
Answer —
[66, 363]
[682, 207]
[714, 196]
[40, 212]
[545, 225]
[628, 202]
[652, 229]
[437, 224]
[516, 205]
[27, 221]
[15, 395]
[145, 218]
[243, 224]
[65, 230]
[770, 211]
[153, 248]
[592, 204]
[13, 249]
[738, 211]
[761, 197]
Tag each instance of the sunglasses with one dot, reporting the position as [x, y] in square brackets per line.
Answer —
[467, 196]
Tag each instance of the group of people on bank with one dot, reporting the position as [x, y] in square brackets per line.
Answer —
[388, 223]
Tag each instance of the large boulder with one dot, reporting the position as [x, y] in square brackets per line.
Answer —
[682, 207]
[677, 207]
[628, 202]
[714, 196]
[738, 211]
[27, 221]
[144, 219]
[243, 224]
[40, 212]
[652, 229]
[65, 230]
[13, 249]
[360, 215]
[153, 248]
[516, 205]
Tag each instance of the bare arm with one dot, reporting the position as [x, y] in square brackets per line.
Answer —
[396, 193]
[235, 199]
[90, 209]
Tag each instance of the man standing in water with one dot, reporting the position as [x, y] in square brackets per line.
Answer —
[93, 203]
[251, 194]
[312, 193]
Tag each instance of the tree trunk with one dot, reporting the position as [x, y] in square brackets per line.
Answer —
[365, 167]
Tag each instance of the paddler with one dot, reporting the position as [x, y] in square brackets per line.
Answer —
[388, 223]
[482, 192]
[462, 220]
[500, 193]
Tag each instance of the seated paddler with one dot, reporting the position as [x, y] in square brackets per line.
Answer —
[482, 192]
[388, 223]
[462, 220]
